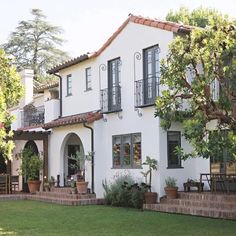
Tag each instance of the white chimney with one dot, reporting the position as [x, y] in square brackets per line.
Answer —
[27, 81]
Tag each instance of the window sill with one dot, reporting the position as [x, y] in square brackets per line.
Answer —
[145, 105]
[87, 90]
[68, 95]
[111, 111]
[127, 168]
[175, 167]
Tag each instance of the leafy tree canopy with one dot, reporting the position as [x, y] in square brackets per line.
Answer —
[200, 73]
[11, 91]
[35, 45]
[200, 17]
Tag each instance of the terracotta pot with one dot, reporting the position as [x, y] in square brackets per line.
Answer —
[171, 192]
[82, 187]
[150, 197]
[34, 185]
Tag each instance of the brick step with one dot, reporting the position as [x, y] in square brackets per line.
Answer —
[199, 211]
[66, 195]
[61, 190]
[66, 201]
[208, 196]
[200, 203]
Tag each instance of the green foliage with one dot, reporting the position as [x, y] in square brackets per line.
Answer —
[124, 192]
[11, 91]
[195, 63]
[79, 165]
[170, 182]
[31, 164]
[53, 219]
[35, 44]
[200, 17]
[152, 165]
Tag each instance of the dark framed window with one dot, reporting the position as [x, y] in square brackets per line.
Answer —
[88, 79]
[68, 85]
[127, 151]
[151, 71]
[173, 141]
[114, 84]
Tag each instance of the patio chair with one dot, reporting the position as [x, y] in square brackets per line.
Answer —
[4, 184]
[217, 179]
[230, 174]
[14, 183]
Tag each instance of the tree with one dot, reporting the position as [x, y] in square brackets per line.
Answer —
[11, 91]
[200, 17]
[200, 72]
[35, 44]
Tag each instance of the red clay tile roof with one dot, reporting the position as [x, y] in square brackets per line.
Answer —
[49, 85]
[69, 63]
[165, 25]
[88, 117]
[30, 127]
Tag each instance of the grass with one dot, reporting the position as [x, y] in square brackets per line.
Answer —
[37, 218]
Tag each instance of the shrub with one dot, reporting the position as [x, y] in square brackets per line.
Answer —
[124, 192]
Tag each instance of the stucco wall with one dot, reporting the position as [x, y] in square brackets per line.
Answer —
[134, 38]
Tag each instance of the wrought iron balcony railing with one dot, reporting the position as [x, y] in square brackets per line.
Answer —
[110, 99]
[146, 91]
[32, 116]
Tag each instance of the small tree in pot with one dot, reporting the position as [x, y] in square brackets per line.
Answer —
[31, 164]
[79, 168]
[171, 188]
[149, 196]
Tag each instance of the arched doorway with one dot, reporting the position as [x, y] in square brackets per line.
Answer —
[73, 146]
[33, 147]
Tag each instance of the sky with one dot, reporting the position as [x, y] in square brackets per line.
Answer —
[87, 24]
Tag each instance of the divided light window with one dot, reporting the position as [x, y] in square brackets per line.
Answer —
[69, 85]
[88, 79]
[127, 151]
[173, 140]
[151, 69]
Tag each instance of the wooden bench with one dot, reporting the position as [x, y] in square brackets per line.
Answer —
[191, 184]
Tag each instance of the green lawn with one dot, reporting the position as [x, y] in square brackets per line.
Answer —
[36, 218]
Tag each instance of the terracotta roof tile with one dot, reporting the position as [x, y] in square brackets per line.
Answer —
[88, 117]
[165, 25]
[69, 63]
[49, 85]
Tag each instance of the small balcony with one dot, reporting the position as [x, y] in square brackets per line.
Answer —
[110, 99]
[32, 116]
[146, 91]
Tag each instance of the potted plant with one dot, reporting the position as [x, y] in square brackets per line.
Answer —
[79, 168]
[52, 182]
[31, 164]
[171, 188]
[46, 186]
[149, 196]
[73, 187]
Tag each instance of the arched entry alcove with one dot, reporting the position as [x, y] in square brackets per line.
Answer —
[33, 147]
[72, 146]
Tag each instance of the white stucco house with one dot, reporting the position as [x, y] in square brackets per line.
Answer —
[106, 106]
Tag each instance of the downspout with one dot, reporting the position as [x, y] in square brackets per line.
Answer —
[92, 151]
[60, 115]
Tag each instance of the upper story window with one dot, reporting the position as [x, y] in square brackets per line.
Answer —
[111, 96]
[127, 151]
[173, 141]
[147, 89]
[88, 79]
[69, 85]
